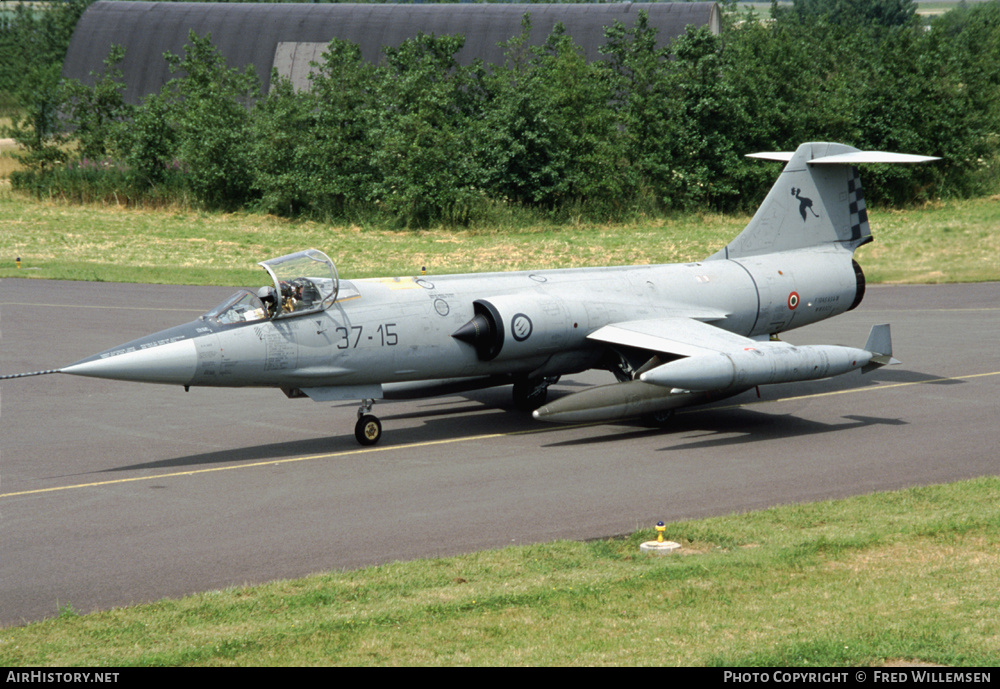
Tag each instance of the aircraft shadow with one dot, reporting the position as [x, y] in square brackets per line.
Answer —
[447, 422]
[294, 448]
[736, 427]
[484, 412]
[716, 428]
[442, 410]
[850, 381]
[885, 375]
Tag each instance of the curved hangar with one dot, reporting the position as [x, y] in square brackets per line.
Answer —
[289, 36]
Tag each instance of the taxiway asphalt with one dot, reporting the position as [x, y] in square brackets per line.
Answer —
[116, 493]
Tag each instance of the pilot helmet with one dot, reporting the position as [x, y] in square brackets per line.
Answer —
[266, 295]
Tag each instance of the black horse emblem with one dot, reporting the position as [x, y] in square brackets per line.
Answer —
[804, 203]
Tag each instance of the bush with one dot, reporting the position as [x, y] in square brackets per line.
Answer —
[421, 133]
[210, 114]
[419, 139]
[550, 136]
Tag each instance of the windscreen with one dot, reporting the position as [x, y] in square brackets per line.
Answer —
[242, 307]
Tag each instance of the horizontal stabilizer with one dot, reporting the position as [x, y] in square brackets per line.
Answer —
[780, 156]
[852, 158]
[860, 157]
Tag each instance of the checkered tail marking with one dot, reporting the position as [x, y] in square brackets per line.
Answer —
[856, 197]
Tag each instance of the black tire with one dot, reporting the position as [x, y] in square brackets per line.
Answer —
[368, 430]
[657, 419]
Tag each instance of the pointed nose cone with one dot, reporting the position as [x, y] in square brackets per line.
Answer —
[142, 361]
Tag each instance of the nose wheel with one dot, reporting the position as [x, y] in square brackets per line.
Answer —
[368, 429]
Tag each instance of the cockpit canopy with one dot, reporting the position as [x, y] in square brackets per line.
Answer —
[304, 282]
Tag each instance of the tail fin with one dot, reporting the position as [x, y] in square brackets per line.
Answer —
[880, 345]
[816, 201]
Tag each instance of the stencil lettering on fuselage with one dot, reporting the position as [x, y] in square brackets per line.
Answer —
[279, 351]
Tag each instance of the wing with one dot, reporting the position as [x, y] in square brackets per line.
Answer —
[675, 335]
[647, 347]
[676, 361]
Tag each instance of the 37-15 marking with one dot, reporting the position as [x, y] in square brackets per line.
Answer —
[350, 337]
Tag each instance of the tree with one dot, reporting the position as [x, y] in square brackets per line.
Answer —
[643, 99]
[549, 135]
[210, 112]
[854, 12]
[95, 111]
[422, 163]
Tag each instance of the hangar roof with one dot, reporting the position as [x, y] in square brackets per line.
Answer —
[288, 36]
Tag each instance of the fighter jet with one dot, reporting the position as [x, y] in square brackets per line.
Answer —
[672, 335]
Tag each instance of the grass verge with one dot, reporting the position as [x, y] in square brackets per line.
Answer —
[900, 576]
[943, 242]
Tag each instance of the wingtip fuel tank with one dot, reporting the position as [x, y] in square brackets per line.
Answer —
[763, 364]
[706, 377]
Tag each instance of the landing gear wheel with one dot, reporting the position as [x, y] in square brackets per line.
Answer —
[368, 430]
[657, 419]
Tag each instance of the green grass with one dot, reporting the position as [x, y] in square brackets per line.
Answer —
[953, 241]
[942, 242]
[902, 576]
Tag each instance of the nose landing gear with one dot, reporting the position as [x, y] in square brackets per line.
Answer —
[368, 429]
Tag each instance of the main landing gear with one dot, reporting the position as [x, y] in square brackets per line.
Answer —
[657, 419]
[368, 429]
[531, 393]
